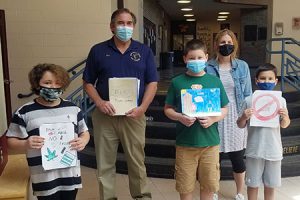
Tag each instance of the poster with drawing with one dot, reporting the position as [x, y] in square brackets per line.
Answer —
[201, 102]
[123, 94]
[266, 105]
[56, 151]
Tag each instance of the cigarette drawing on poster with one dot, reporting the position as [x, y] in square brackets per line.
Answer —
[56, 152]
[201, 102]
[266, 105]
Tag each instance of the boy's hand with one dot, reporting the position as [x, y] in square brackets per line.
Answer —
[205, 122]
[186, 120]
[247, 113]
[78, 144]
[35, 142]
[283, 112]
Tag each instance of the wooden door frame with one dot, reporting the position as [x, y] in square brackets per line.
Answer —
[5, 67]
[120, 4]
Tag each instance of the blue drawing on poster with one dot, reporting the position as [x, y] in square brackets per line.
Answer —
[67, 158]
[201, 102]
[51, 154]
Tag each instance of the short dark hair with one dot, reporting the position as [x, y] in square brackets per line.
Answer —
[265, 67]
[37, 72]
[120, 11]
[194, 44]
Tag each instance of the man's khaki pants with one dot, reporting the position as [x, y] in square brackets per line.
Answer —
[108, 132]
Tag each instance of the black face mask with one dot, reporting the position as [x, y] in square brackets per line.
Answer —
[226, 49]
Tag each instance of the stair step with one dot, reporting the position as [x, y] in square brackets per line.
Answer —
[164, 168]
[159, 100]
[161, 130]
[159, 148]
[291, 96]
[165, 148]
[160, 143]
[156, 113]
[294, 109]
[292, 130]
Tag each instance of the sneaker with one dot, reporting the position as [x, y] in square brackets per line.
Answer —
[239, 197]
[215, 197]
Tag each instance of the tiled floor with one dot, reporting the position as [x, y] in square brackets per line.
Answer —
[164, 189]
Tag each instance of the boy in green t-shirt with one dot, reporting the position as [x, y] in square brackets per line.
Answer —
[197, 139]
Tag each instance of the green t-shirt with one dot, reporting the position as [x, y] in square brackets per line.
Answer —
[195, 135]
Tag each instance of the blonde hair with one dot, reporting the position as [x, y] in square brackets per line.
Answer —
[220, 34]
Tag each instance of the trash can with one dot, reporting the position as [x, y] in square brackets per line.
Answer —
[166, 60]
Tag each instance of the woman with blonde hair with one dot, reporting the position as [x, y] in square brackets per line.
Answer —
[235, 76]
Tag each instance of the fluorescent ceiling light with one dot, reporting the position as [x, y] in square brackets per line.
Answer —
[182, 1]
[190, 20]
[186, 9]
[222, 17]
[189, 15]
[224, 13]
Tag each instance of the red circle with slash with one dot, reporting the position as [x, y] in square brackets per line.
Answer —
[269, 103]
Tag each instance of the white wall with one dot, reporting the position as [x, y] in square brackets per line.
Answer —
[136, 6]
[284, 11]
[52, 31]
[62, 32]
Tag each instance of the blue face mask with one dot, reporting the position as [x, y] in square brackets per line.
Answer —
[196, 66]
[266, 86]
[124, 33]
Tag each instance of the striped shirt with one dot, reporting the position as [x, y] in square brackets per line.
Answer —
[232, 138]
[26, 122]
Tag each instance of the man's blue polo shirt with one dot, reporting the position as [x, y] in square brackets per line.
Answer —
[106, 61]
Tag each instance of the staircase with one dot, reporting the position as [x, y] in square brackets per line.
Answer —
[161, 131]
[160, 143]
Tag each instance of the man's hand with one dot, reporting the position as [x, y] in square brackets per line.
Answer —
[135, 112]
[106, 107]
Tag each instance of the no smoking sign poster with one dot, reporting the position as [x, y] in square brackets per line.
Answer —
[266, 105]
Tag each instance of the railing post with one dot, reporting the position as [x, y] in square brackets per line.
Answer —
[282, 63]
[85, 105]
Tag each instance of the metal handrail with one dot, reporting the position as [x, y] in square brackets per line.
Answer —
[289, 61]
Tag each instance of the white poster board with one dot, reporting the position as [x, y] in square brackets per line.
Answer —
[266, 105]
[56, 151]
[123, 94]
[201, 102]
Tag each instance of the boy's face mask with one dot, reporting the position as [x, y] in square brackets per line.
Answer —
[50, 94]
[196, 66]
[124, 33]
[266, 85]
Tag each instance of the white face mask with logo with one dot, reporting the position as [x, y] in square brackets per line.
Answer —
[124, 33]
